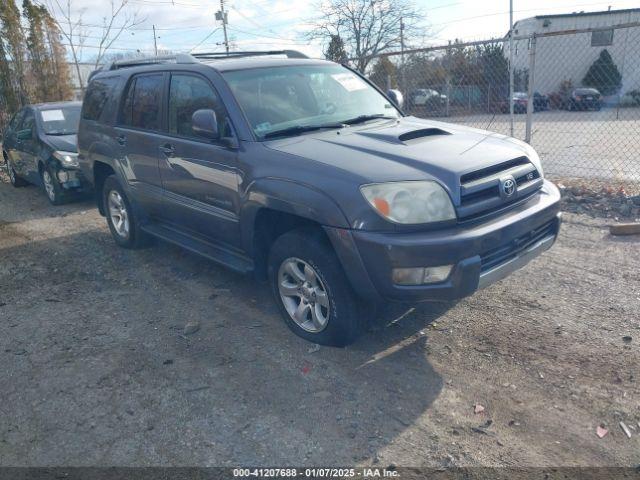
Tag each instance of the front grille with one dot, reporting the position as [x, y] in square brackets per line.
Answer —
[516, 246]
[480, 189]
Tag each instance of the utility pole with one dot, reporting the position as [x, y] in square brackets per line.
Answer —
[402, 74]
[222, 16]
[155, 41]
[511, 68]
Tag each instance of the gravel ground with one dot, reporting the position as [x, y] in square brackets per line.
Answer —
[97, 370]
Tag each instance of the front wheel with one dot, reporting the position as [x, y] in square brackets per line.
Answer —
[51, 186]
[311, 289]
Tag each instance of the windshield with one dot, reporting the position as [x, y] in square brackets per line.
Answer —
[61, 120]
[283, 98]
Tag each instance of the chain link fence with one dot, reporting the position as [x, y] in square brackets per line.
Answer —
[574, 95]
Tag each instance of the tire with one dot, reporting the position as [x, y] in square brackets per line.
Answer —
[121, 218]
[303, 264]
[15, 180]
[52, 189]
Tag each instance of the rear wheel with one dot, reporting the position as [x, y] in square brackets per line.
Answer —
[311, 289]
[15, 180]
[123, 223]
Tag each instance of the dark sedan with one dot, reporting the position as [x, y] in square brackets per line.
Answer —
[584, 99]
[39, 147]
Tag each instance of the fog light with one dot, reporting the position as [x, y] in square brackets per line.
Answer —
[63, 176]
[421, 275]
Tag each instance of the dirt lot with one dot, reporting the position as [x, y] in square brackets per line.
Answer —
[96, 369]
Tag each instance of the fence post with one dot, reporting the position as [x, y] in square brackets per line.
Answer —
[530, 93]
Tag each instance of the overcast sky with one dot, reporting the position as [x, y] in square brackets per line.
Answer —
[267, 24]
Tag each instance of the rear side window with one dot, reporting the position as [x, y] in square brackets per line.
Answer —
[29, 121]
[99, 95]
[141, 106]
[15, 121]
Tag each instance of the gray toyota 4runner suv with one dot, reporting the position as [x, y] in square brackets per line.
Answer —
[304, 173]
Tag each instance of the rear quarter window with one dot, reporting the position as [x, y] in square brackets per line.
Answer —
[99, 95]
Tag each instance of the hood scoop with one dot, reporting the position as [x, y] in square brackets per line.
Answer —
[407, 138]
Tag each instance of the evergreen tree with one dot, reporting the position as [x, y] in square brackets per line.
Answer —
[385, 73]
[604, 75]
[39, 64]
[335, 50]
[15, 50]
[8, 100]
[60, 84]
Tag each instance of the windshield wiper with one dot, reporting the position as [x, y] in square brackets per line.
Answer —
[365, 118]
[298, 129]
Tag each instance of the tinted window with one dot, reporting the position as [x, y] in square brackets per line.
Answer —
[28, 122]
[602, 38]
[141, 107]
[15, 121]
[187, 94]
[98, 95]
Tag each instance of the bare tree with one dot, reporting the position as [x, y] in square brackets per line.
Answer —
[75, 31]
[367, 27]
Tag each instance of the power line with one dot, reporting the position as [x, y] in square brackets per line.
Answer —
[204, 39]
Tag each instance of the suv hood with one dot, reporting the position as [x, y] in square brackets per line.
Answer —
[64, 143]
[408, 149]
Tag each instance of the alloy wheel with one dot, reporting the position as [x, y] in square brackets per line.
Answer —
[48, 185]
[118, 214]
[303, 295]
[12, 174]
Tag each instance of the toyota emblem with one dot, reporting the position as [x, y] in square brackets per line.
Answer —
[508, 187]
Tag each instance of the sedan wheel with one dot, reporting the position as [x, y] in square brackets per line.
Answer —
[49, 188]
[12, 174]
[118, 214]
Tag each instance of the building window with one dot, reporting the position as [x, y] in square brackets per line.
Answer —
[602, 38]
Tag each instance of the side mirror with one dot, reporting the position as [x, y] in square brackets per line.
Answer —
[204, 123]
[24, 134]
[396, 97]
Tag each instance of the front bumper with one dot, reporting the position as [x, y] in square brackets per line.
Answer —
[482, 253]
[72, 179]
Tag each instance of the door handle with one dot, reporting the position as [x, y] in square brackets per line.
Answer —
[122, 140]
[168, 149]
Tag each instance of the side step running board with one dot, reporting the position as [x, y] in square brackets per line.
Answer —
[219, 254]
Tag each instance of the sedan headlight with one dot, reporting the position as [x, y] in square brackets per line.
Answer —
[67, 159]
[410, 202]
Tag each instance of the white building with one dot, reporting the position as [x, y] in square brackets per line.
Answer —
[85, 71]
[568, 57]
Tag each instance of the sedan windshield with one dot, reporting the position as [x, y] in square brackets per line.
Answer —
[284, 101]
[60, 120]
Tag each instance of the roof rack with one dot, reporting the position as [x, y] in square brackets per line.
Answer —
[138, 62]
[195, 57]
[214, 55]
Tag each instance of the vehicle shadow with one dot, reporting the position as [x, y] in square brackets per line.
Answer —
[34, 203]
[102, 339]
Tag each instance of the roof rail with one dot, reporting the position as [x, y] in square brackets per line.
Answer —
[214, 55]
[138, 62]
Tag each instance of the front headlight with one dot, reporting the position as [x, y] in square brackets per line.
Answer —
[410, 202]
[68, 159]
